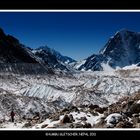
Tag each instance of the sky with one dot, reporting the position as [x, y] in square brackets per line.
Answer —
[74, 34]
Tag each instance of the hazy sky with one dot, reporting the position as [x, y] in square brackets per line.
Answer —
[74, 34]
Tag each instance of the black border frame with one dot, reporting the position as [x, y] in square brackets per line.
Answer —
[69, 5]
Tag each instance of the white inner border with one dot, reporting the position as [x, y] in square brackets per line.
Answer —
[28, 10]
[71, 129]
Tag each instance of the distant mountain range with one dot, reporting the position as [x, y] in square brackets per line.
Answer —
[123, 49]
[14, 55]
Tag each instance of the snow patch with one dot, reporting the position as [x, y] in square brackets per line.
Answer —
[113, 119]
[131, 67]
[12, 126]
[79, 64]
[138, 102]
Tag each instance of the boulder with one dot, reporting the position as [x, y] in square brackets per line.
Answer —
[91, 106]
[120, 124]
[133, 109]
[66, 119]
[83, 118]
[28, 124]
[100, 110]
[87, 125]
[73, 108]
[71, 118]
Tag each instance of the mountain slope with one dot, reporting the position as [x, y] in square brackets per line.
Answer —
[53, 58]
[60, 57]
[15, 57]
[11, 51]
[123, 49]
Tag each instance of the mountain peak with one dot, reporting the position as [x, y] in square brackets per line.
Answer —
[44, 48]
[123, 49]
[58, 55]
[2, 34]
[124, 32]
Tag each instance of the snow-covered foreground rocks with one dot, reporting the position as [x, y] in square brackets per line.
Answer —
[12, 126]
[43, 95]
[73, 119]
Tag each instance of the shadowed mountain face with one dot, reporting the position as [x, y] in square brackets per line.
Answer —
[11, 51]
[121, 50]
[15, 57]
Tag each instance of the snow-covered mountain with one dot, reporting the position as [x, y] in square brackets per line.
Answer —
[60, 57]
[17, 58]
[123, 49]
[53, 58]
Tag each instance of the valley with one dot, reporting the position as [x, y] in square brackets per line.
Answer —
[48, 90]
